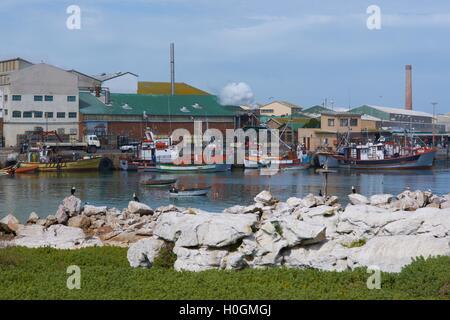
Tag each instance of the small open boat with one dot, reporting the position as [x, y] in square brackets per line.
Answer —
[159, 182]
[193, 192]
[30, 169]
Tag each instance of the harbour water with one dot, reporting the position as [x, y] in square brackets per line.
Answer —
[43, 192]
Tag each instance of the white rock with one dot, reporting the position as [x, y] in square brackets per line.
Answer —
[265, 197]
[331, 201]
[143, 252]
[356, 198]
[381, 199]
[329, 256]
[62, 215]
[294, 202]
[33, 218]
[298, 232]
[72, 206]
[392, 253]
[309, 201]
[135, 207]
[199, 259]
[89, 210]
[9, 224]
[55, 236]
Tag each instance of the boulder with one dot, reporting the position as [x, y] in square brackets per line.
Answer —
[445, 205]
[55, 236]
[392, 253]
[213, 230]
[141, 209]
[72, 206]
[297, 232]
[309, 201]
[50, 220]
[264, 247]
[329, 256]
[200, 259]
[33, 218]
[89, 210]
[62, 216]
[9, 224]
[294, 202]
[169, 208]
[331, 201]
[265, 198]
[80, 221]
[381, 199]
[356, 198]
[143, 252]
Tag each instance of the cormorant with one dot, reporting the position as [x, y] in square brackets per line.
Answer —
[135, 198]
[72, 190]
[320, 193]
[353, 189]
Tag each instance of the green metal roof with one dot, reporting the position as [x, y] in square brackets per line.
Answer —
[317, 109]
[158, 105]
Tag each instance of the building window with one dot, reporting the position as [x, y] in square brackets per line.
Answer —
[61, 131]
[353, 122]
[266, 110]
[17, 114]
[71, 98]
[331, 122]
[37, 98]
[5, 98]
[48, 98]
[17, 97]
[38, 114]
[27, 114]
[6, 112]
[72, 114]
[60, 114]
[73, 131]
[49, 114]
[344, 122]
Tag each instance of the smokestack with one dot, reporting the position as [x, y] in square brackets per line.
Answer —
[408, 98]
[172, 69]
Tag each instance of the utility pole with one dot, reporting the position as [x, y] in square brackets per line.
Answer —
[434, 122]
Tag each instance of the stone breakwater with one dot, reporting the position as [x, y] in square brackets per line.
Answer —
[386, 231]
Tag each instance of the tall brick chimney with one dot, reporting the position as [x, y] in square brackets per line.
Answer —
[408, 97]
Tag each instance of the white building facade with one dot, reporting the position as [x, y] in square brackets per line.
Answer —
[40, 97]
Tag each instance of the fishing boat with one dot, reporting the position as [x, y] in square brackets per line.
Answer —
[379, 156]
[86, 164]
[201, 168]
[193, 192]
[159, 182]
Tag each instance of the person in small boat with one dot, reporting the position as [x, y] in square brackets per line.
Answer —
[173, 189]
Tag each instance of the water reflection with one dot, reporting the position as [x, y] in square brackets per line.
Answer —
[43, 192]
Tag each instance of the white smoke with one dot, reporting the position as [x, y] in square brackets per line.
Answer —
[237, 94]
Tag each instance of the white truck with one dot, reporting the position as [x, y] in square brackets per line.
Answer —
[90, 144]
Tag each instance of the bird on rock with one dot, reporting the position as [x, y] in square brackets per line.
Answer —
[72, 190]
[135, 198]
[353, 189]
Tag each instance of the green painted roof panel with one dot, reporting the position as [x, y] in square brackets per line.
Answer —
[158, 105]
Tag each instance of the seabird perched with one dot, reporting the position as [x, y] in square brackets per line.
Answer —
[353, 189]
[72, 190]
[135, 198]
[320, 193]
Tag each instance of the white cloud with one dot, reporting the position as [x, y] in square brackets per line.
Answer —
[237, 94]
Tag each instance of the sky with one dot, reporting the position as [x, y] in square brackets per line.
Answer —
[293, 50]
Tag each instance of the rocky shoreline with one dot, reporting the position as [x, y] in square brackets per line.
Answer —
[384, 231]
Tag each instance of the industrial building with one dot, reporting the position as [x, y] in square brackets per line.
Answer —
[279, 108]
[128, 115]
[38, 97]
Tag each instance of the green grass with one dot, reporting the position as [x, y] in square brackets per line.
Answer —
[356, 243]
[105, 274]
